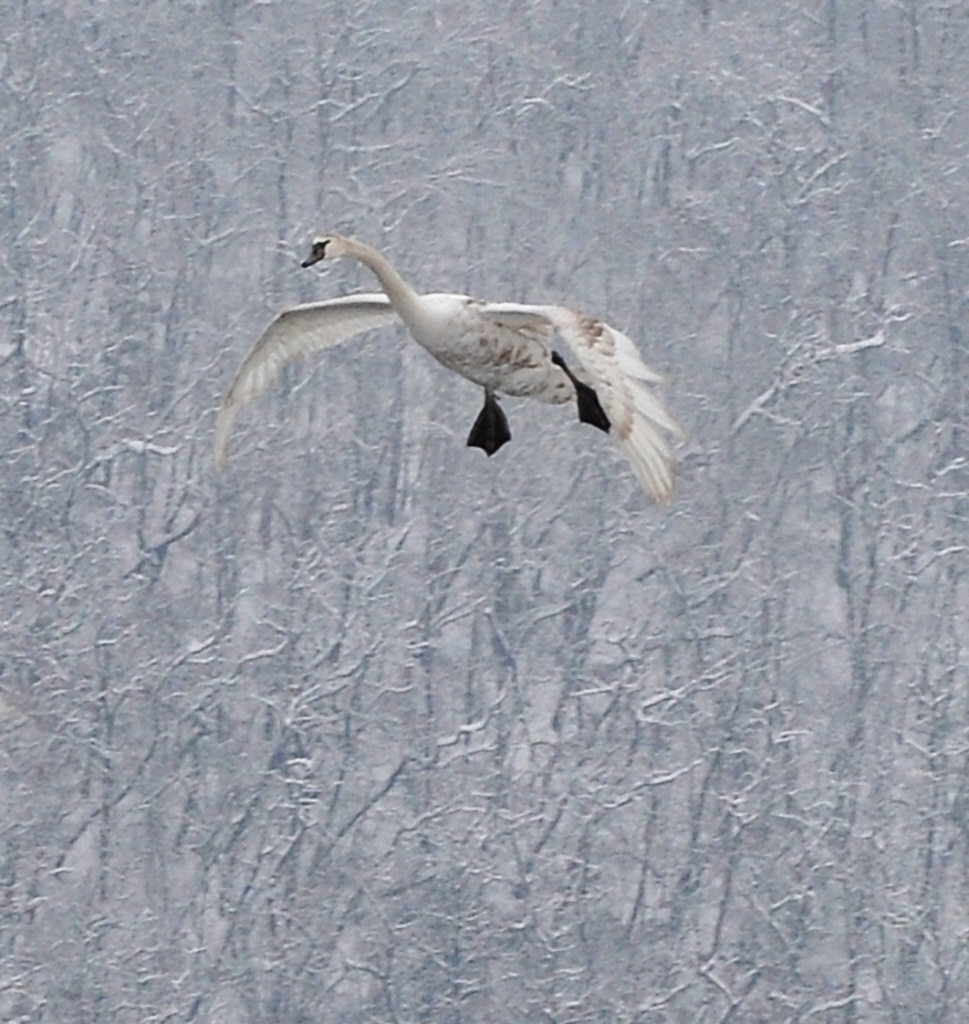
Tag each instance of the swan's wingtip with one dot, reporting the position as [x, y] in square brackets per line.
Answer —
[223, 428]
[659, 492]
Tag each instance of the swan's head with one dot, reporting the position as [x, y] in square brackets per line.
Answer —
[329, 247]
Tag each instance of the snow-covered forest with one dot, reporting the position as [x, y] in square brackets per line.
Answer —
[371, 728]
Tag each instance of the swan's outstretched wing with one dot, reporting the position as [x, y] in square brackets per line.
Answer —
[295, 333]
[614, 368]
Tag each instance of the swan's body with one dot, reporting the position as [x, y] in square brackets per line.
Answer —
[503, 347]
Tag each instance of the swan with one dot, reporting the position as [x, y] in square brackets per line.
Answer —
[503, 347]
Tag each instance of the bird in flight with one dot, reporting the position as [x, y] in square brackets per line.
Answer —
[504, 347]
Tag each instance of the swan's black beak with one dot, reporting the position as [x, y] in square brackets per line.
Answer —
[316, 253]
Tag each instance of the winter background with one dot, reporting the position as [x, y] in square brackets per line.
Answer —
[371, 728]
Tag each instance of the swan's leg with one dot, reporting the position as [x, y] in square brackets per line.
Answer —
[490, 430]
[590, 411]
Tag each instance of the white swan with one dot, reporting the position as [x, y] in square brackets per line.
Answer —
[503, 347]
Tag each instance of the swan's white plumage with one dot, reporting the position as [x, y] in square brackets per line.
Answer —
[503, 347]
[297, 332]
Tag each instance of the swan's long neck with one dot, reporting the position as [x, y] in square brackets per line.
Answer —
[402, 297]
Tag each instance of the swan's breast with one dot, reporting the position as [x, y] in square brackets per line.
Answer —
[514, 360]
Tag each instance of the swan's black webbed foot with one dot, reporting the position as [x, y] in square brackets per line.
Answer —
[490, 430]
[590, 411]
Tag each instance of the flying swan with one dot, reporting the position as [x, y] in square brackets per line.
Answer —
[501, 346]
